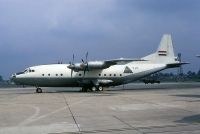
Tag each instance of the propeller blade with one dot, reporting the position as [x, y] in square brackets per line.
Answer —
[86, 57]
[73, 59]
[85, 64]
[71, 65]
[71, 72]
[82, 60]
[84, 72]
[87, 67]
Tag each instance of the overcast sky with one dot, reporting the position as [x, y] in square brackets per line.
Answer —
[34, 32]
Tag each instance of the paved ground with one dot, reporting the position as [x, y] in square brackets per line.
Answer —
[136, 109]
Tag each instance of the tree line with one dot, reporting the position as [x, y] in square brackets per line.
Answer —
[188, 76]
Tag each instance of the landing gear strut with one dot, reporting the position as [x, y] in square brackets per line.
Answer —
[85, 89]
[38, 90]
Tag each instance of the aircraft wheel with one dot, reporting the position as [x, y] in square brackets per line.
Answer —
[100, 88]
[94, 89]
[38, 90]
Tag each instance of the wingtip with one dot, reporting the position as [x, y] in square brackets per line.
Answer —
[183, 63]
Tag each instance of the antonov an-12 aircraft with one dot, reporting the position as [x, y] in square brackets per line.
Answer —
[95, 75]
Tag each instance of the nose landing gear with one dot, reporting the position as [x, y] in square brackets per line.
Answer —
[38, 90]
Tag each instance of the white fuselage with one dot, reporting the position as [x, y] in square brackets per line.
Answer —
[59, 75]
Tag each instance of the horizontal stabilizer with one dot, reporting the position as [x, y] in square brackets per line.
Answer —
[172, 65]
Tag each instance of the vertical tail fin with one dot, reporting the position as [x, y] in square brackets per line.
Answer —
[166, 46]
[164, 53]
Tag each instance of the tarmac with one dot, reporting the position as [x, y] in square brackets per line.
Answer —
[167, 108]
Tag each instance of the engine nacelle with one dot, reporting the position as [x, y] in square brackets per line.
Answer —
[96, 65]
[89, 66]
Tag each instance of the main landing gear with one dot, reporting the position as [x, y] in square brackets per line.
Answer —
[84, 89]
[93, 89]
[38, 90]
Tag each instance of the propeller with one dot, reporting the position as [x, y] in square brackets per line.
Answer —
[86, 58]
[85, 63]
[83, 66]
[71, 66]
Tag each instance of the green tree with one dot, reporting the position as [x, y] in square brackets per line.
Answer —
[1, 78]
[198, 73]
[190, 73]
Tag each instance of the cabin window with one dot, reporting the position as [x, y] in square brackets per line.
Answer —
[32, 70]
[114, 74]
[120, 74]
[56, 74]
[110, 74]
[79, 74]
[42, 74]
[61, 74]
[48, 74]
[104, 74]
[99, 74]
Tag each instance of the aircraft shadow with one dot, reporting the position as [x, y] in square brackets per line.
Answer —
[188, 95]
[190, 119]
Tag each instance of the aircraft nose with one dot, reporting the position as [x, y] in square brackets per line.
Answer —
[13, 77]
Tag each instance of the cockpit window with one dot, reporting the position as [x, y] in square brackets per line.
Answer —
[19, 73]
[29, 70]
[26, 71]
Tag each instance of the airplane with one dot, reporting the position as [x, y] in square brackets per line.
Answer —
[95, 75]
[197, 55]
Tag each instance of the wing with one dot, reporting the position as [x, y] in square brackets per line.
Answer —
[95, 65]
[120, 61]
